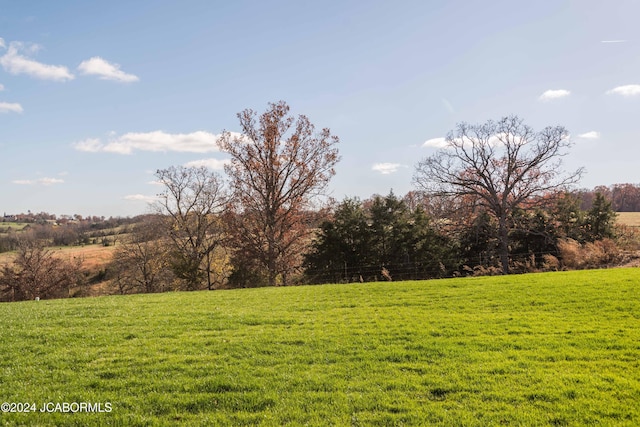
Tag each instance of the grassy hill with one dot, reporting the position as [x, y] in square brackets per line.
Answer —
[542, 349]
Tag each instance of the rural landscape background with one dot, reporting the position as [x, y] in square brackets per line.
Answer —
[269, 213]
[381, 238]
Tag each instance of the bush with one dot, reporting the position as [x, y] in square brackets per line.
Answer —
[36, 273]
[601, 253]
[628, 238]
[550, 263]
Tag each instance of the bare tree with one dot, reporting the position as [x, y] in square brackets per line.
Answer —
[37, 273]
[193, 200]
[501, 165]
[278, 167]
[142, 263]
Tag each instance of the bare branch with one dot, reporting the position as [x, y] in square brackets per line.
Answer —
[504, 164]
[278, 168]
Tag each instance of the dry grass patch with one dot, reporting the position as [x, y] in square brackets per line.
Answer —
[93, 256]
[631, 219]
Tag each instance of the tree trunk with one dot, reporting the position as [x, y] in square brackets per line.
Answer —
[209, 286]
[272, 275]
[503, 249]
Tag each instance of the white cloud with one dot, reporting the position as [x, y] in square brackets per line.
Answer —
[627, 90]
[6, 107]
[613, 41]
[590, 135]
[50, 181]
[2, 45]
[15, 63]
[494, 140]
[215, 164]
[141, 198]
[106, 71]
[1, 87]
[552, 94]
[435, 142]
[41, 181]
[157, 141]
[386, 168]
[91, 145]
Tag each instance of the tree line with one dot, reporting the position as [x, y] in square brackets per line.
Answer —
[623, 197]
[495, 200]
[408, 240]
[62, 231]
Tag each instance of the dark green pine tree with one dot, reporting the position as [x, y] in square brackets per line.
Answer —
[600, 219]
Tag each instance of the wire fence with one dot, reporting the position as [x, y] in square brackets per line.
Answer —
[436, 267]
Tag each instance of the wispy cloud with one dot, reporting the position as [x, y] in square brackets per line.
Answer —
[41, 181]
[590, 135]
[50, 181]
[15, 61]
[552, 94]
[448, 105]
[1, 87]
[105, 70]
[141, 198]
[90, 145]
[157, 141]
[613, 41]
[627, 90]
[7, 107]
[215, 164]
[493, 140]
[386, 168]
[435, 142]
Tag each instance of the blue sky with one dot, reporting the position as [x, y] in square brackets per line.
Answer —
[96, 96]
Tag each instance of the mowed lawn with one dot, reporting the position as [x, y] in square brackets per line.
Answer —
[541, 349]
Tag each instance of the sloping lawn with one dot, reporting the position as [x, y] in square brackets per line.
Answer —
[541, 349]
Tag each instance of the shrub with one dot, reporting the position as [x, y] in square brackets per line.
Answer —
[37, 273]
[601, 253]
[550, 263]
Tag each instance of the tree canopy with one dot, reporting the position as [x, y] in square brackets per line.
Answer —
[279, 166]
[499, 166]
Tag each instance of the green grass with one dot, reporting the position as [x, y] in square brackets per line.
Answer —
[543, 349]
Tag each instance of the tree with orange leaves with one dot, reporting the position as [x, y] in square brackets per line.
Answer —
[279, 167]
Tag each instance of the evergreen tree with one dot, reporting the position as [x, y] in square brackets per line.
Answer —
[600, 219]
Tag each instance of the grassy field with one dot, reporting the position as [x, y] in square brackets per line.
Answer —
[631, 219]
[93, 256]
[543, 349]
[15, 226]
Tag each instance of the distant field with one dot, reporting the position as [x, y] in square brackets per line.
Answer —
[629, 218]
[93, 256]
[558, 349]
[16, 226]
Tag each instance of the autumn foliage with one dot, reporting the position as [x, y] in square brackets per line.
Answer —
[494, 201]
[279, 168]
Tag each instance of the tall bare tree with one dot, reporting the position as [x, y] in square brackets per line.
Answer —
[142, 262]
[192, 200]
[502, 165]
[278, 167]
